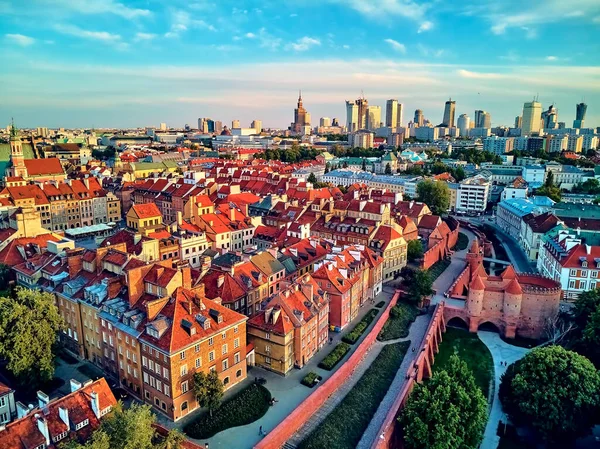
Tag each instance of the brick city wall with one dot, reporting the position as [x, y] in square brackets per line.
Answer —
[284, 431]
[442, 248]
[390, 433]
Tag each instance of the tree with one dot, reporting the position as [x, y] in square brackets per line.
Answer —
[459, 174]
[5, 276]
[435, 194]
[388, 169]
[312, 178]
[173, 440]
[447, 412]
[29, 324]
[208, 390]
[419, 286]
[98, 440]
[585, 306]
[591, 337]
[549, 182]
[414, 250]
[555, 391]
[130, 428]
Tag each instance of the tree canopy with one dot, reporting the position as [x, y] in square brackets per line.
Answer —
[586, 315]
[554, 390]
[448, 411]
[29, 323]
[208, 390]
[414, 250]
[419, 285]
[435, 194]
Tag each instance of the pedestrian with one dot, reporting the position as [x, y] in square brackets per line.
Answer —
[413, 349]
[260, 431]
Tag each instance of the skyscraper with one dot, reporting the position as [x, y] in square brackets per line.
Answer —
[373, 118]
[363, 105]
[580, 110]
[518, 121]
[235, 124]
[351, 116]
[418, 120]
[532, 118]
[301, 116]
[483, 119]
[550, 118]
[393, 114]
[257, 125]
[325, 122]
[463, 123]
[449, 110]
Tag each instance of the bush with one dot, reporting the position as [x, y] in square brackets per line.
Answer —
[334, 357]
[402, 315]
[244, 408]
[353, 336]
[345, 425]
[380, 304]
[311, 379]
[462, 242]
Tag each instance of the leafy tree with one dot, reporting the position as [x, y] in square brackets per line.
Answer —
[208, 390]
[589, 187]
[585, 306]
[549, 180]
[459, 174]
[414, 250]
[388, 169]
[327, 167]
[435, 194]
[419, 286]
[555, 391]
[447, 412]
[173, 440]
[98, 440]
[130, 428]
[28, 327]
[312, 178]
[591, 337]
[5, 276]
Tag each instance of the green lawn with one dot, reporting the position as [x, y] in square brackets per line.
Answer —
[344, 426]
[438, 268]
[334, 357]
[353, 336]
[462, 242]
[243, 408]
[402, 315]
[470, 349]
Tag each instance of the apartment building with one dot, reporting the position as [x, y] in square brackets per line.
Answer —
[472, 195]
[389, 243]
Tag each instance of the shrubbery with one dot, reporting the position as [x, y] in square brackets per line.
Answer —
[311, 379]
[334, 357]
[353, 336]
[401, 317]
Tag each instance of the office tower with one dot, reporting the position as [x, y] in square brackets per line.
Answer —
[257, 125]
[550, 118]
[335, 122]
[464, 123]
[373, 118]
[486, 120]
[418, 118]
[363, 105]
[518, 121]
[449, 110]
[235, 124]
[393, 114]
[580, 110]
[163, 126]
[301, 116]
[325, 122]
[218, 126]
[351, 116]
[43, 132]
[532, 118]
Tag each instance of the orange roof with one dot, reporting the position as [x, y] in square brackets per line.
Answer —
[477, 284]
[514, 288]
[40, 167]
[149, 210]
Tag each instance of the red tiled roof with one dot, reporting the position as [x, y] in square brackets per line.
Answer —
[11, 255]
[39, 167]
[148, 210]
[282, 325]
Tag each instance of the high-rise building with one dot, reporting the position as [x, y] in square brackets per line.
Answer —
[257, 125]
[464, 123]
[235, 124]
[550, 118]
[580, 110]
[418, 120]
[325, 122]
[483, 119]
[301, 116]
[43, 132]
[351, 116]
[449, 111]
[373, 118]
[393, 114]
[335, 122]
[363, 105]
[532, 118]
[163, 126]
[218, 126]
[518, 121]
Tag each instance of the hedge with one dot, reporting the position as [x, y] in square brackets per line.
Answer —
[380, 304]
[353, 336]
[310, 380]
[334, 357]
[398, 324]
[243, 408]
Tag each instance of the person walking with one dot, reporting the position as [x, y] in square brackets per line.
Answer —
[260, 431]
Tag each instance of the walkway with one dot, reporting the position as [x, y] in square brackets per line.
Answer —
[501, 352]
[288, 391]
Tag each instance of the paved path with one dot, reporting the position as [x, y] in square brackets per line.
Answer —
[288, 391]
[501, 352]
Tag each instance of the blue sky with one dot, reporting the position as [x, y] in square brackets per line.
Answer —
[83, 63]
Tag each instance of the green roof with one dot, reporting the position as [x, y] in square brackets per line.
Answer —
[5, 155]
[389, 157]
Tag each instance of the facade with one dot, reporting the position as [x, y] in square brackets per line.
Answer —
[580, 110]
[510, 213]
[472, 195]
[144, 218]
[498, 145]
[463, 124]
[418, 118]
[391, 245]
[8, 408]
[393, 114]
[301, 117]
[373, 118]
[449, 111]
[532, 118]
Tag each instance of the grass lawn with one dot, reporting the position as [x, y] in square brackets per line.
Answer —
[90, 371]
[470, 349]
[438, 268]
[402, 315]
[334, 357]
[245, 407]
[462, 242]
[353, 336]
[344, 426]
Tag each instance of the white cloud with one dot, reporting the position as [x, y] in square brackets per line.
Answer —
[551, 58]
[182, 21]
[144, 37]
[387, 8]
[346, 47]
[20, 39]
[430, 52]
[250, 35]
[99, 7]
[73, 30]
[267, 40]
[425, 26]
[396, 45]
[303, 44]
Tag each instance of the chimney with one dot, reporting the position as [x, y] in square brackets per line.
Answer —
[63, 414]
[75, 385]
[186, 277]
[43, 399]
[22, 410]
[232, 213]
[95, 402]
[220, 280]
[179, 219]
[42, 425]
[136, 238]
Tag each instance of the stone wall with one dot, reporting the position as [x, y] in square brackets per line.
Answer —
[442, 248]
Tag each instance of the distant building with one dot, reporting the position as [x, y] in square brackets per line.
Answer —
[256, 125]
[472, 195]
[463, 123]
[532, 118]
[418, 119]
[301, 117]
[449, 111]
[580, 110]
[373, 118]
[325, 122]
[393, 114]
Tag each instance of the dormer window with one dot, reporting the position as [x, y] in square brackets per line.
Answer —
[82, 424]
[584, 264]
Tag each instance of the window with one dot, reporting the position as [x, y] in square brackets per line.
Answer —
[224, 349]
[165, 373]
[197, 348]
[210, 341]
[145, 378]
[571, 284]
[238, 373]
[236, 343]
[582, 285]
[236, 357]
[211, 356]
[235, 329]
[198, 362]
[573, 272]
[268, 360]
[182, 355]
[82, 424]
[268, 348]
[184, 386]
[184, 406]
[224, 335]
[267, 336]
[167, 390]
[226, 380]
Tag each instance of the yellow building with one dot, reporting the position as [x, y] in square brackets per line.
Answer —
[390, 243]
[144, 218]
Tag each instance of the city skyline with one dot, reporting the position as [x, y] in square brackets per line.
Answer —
[140, 63]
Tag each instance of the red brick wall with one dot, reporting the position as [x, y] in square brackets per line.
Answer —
[284, 431]
[442, 248]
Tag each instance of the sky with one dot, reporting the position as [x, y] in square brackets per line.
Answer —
[130, 63]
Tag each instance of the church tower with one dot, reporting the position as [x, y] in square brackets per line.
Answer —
[16, 154]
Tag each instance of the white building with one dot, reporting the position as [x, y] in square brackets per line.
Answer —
[534, 174]
[463, 123]
[472, 195]
[558, 143]
[498, 145]
[510, 212]
[8, 409]
[426, 133]
[361, 139]
[532, 118]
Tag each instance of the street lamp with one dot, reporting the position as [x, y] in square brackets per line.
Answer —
[205, 445]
